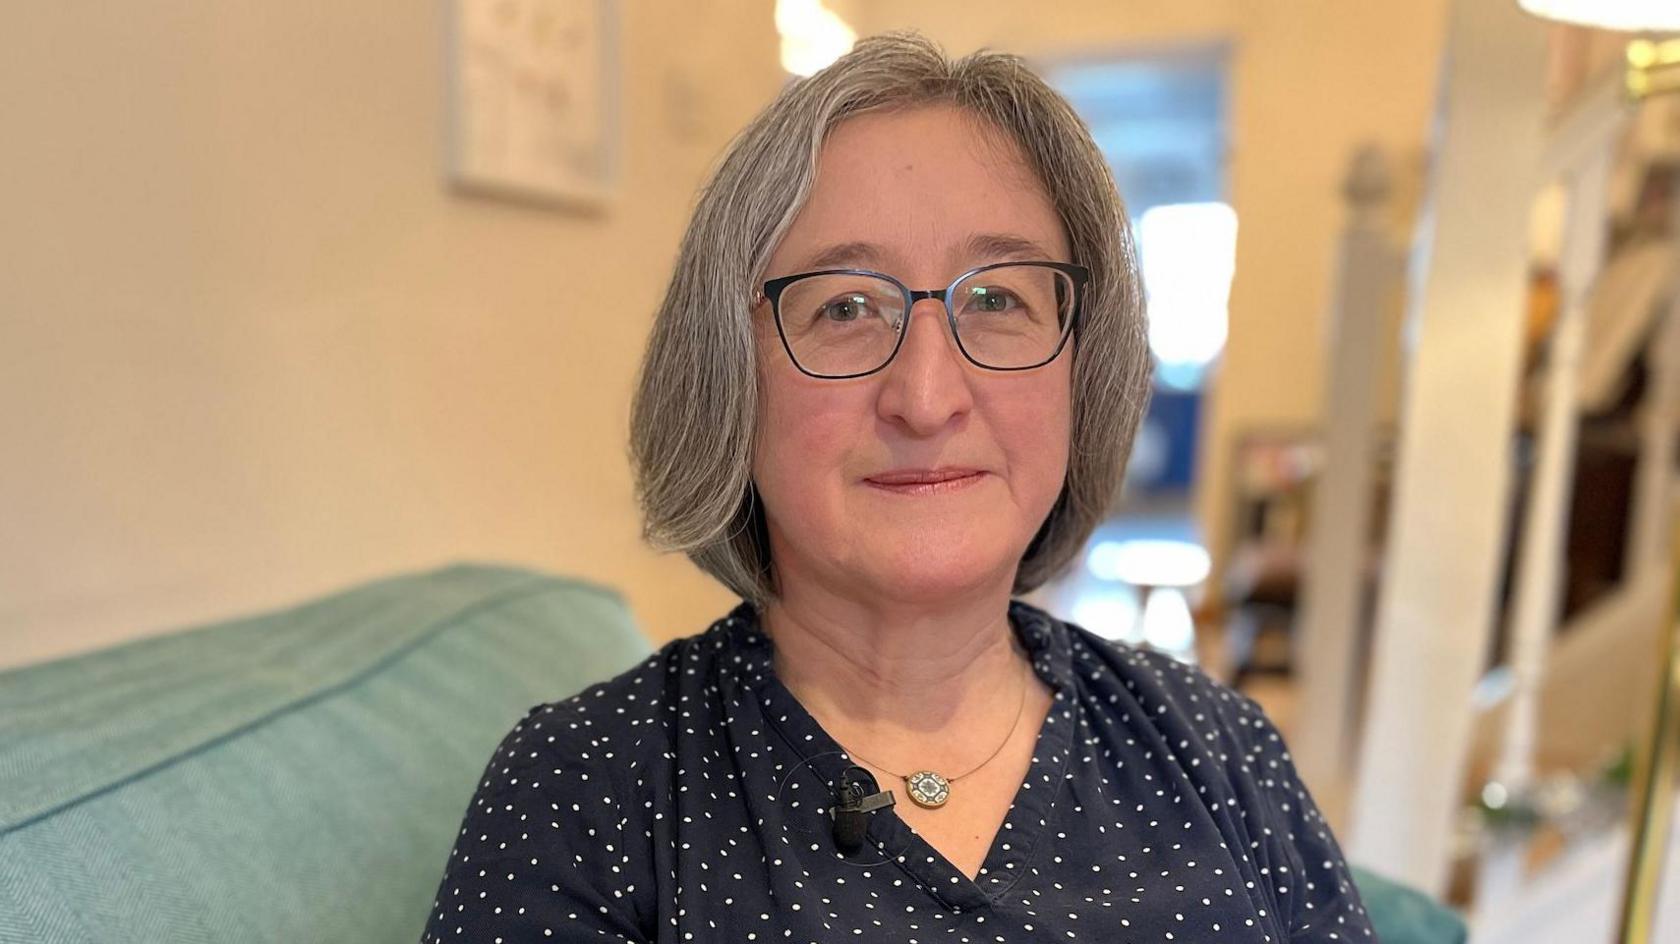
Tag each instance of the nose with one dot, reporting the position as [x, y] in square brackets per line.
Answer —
[926, 386]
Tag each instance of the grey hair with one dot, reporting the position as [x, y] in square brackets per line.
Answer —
[694, 414]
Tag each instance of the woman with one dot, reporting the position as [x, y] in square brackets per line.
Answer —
[893, 382]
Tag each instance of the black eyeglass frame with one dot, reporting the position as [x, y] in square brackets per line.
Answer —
[773, 289]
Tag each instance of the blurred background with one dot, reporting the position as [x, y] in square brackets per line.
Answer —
[294, 296]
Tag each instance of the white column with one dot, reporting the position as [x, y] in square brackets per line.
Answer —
[1534, 612]
[1368, 273]
[1452, 480]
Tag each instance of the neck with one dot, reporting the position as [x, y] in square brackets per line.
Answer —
[886, 677]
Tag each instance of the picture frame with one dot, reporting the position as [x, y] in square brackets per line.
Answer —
[533, 100]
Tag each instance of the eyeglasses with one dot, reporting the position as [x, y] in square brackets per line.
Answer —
[842, 323]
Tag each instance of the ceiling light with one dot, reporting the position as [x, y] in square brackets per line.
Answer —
[1630, 15]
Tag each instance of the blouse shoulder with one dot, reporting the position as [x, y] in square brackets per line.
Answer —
[635, 713]
[1168, 687]
[1199, 717]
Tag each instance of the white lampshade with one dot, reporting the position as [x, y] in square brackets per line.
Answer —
[1631, 15]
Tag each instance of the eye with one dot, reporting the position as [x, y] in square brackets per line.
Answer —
[991, 299]
[845, 308]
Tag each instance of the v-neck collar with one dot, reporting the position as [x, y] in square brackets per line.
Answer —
[1049, 646]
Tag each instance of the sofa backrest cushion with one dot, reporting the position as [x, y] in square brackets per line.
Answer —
[296, 776]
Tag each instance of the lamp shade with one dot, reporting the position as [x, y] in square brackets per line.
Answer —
[1631, 15]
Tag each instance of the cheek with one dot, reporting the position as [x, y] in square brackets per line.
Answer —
[1033, 424]
[802, 438]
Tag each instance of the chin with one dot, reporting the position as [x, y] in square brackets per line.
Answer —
[929, 568]
[919, 588]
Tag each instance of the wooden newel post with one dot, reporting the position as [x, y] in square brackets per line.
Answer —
[1368, 273]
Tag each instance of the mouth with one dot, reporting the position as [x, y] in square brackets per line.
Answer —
[924, 481]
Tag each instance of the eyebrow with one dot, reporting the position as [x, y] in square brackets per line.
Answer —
[984, 247]
[1000, 246]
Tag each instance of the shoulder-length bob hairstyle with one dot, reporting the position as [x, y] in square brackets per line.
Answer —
[694, 416]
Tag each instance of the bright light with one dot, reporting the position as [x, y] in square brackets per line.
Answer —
[1630, 15]
[1111, 613]
[1168, 625]
[1189, 256]
[1495, 795]
[1150, 563]
[812, 35]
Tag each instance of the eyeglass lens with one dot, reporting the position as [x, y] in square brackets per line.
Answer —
[1009, 317]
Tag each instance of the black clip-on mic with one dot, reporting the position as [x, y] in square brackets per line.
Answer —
[857, 796]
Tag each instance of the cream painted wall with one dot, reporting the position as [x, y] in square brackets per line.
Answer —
[1310, 81]
[251, 349]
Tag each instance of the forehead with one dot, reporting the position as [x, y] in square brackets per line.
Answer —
[921, 191]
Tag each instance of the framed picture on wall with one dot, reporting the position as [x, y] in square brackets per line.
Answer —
[533, 101]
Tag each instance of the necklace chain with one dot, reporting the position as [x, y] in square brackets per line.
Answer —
[1019, 710]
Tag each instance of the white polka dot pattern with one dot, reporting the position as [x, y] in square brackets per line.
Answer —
[687, 799]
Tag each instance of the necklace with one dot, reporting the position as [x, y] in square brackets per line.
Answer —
[929, 788]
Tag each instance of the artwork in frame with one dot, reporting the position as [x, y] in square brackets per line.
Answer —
[533, 99]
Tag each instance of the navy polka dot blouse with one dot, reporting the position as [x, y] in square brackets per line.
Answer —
[688, 800]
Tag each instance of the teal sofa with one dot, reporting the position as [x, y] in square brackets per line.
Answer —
[300, 776]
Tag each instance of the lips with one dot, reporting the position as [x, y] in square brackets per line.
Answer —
[903, 477]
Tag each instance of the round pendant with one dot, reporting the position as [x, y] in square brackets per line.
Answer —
[928, 789]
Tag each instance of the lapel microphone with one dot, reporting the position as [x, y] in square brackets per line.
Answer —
[857, 796]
